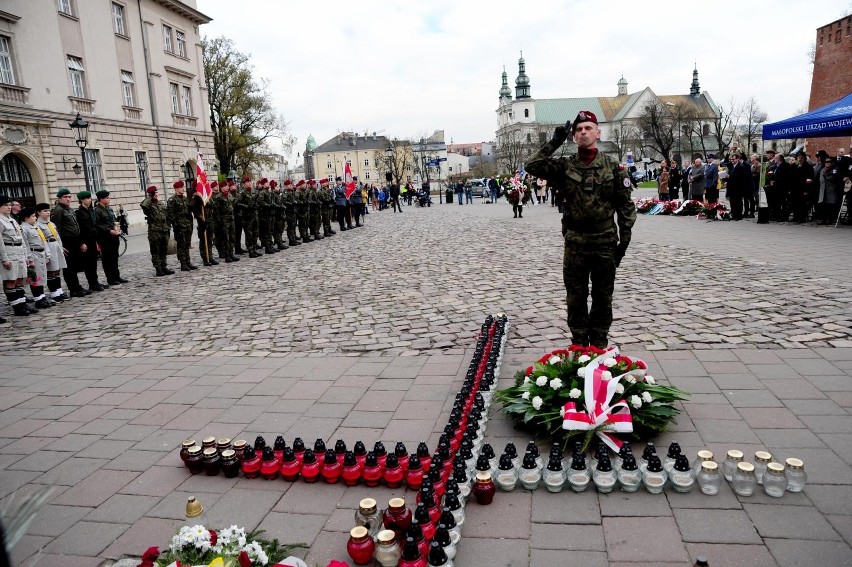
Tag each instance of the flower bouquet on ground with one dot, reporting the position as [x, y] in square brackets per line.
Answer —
[715, 211]
[645, 204]
[689, 208]
[669, 207]
[576, 393]
[197, 545]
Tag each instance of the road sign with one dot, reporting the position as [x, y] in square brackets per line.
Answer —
[442, 159]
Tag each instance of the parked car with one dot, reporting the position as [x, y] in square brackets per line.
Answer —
[479, 187]
[639, 175]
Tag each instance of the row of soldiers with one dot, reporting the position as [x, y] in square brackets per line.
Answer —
[263, 212]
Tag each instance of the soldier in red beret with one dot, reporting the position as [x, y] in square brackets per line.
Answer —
[594, 191]
[247, 212]
[158, 230]
[265, 215]
[180, 217]
[303, 211]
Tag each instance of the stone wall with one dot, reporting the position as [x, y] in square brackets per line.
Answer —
[832, 78]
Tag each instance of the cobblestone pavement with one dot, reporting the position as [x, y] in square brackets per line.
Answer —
[98, 412]
[419, 281]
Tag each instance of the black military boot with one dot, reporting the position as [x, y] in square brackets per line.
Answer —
[192, 266]
[184, 267]
[213, 261]
[206, 263]
[281, 246]
[294, 242]
[319, 237]
[160, 272]
[168, 271]
[253, 254]
[239, 250]
[270, 250]
[332, 232]
[234, 258]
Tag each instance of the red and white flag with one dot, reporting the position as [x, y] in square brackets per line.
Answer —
[348, 181]
[202, 186]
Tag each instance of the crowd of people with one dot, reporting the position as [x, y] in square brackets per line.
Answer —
[797, 188]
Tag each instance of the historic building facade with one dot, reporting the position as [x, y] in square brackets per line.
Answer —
[525, 123]
[132, 69]
[363, 153]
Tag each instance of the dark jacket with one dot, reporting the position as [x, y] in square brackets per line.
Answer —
[739, 181]
[86, 222]
[66, 224]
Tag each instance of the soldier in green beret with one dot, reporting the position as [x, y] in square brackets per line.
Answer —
[180, 217]
[108, 231]
[595, 191]
[85, 215]
[69, 231]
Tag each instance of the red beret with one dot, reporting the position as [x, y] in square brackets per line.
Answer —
[300, 183]
[287, 183]
[177, 184]
[231, 183]
[324, 180]
[312, 183]
[151, 189]
[263, 180]
[584, 116]
[273, 183]
[214, 184]
[246, 179]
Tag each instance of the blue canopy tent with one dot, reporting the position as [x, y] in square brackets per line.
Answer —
[832, 120]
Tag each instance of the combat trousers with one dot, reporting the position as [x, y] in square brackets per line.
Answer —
[279, 225]
[315, 219]
[183, 238]
[326, 218]
[250, 228]
[224, 244]
[581, 264]
[291, 226]
[158, 243]
[238, 231]
[302, 218]
[264, 230]
[206, 240]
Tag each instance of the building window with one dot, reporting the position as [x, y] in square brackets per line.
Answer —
[142, 170]
[173, 92]
[366, 162]
[75, 75]
[118, 18]
[328, 165]
[65, 7]
[127, 88]
[180, 39]
[7, 75]
[367, 175]
[529, 137]
[837, 36]
[705, 130]
[526, 113]
[186, 100]
[167, 39]
[93, 166]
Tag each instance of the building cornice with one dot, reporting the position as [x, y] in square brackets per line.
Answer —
[180, 72]
[8, 17]
[182, 9]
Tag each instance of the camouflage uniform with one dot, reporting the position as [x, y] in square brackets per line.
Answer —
[326, 208]
[279, 218]
[224, 206]
[263, 200]
[180, 217]
[592, 195]
[314, 215]
[302, 211]
[158, 233]
[288, 199]
[245, 206]
[205, 218]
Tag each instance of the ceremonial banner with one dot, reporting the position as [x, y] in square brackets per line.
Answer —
[347, 179]
[202, 186]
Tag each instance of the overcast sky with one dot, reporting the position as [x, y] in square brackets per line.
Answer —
[405, 68]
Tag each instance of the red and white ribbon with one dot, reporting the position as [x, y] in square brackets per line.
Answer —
[598, 394]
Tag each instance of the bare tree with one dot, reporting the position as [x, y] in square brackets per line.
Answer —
[399, 162]
[657, 124]
[753, 120]
[512, 150]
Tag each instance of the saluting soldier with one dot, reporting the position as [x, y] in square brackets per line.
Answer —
[595, 191]
[246, 208]
[158, 230]
[288, 199]
[314, 215]
[279, 216]
[180, 217]
[224, 205]
[265, 215]
[302, 211]
[327, 207]
[107, 229]
[69, 232]
[205, 219]
[56, 256]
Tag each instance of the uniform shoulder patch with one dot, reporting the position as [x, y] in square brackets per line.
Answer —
[626, 182]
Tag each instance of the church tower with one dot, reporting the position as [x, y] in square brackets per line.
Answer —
[694, 89]
[622, 86]
[505, 91]
[522, 83]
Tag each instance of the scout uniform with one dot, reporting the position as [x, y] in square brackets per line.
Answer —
[13, 261]
[56, 254]
[37, 257]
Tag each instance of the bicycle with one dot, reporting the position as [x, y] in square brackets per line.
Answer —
[122, 246]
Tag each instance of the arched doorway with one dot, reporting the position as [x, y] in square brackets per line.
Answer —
[16, 181]
[188, 172]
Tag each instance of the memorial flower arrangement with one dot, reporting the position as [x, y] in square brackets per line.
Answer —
[198, 545]
[582, 391]
[716, 211]
[689, 208]
[32, 277]
[645, 204]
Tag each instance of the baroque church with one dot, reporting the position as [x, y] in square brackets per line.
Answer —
[525, 123]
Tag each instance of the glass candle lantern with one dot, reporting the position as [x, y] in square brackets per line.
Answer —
[319, 446]
[646, 454]
[425, 455]
[212, 461]
[251, 463]
[299, 449]
[411, 554]
[372, 471]
[421, 514]
[360, 546]
[796, 475]
[761, 459]
[401, 453]
[438, 557]
[729, 465]
[654, 477]
[381, 453]
[671, 456]
[554, 474]
[208, 443]
[681, 474]
[239, 446]
[701, 456]
[397, 517]
[414, 473]
[416, 533]
[744, 481]
[603, 476]
[351, 472]
[259, 444]
[360, 452]
[340, 450]
[368, 515]
[442, 537]
[629, 475]
[578, 475]
[330, 469]
[388, 552]
[530, 475]
[278, 447]
[230, 464]
[194, 459]
[709, 478]
[507, 476]
[310, 467]
[290, 466]
[393, 474]
[774, 480]
[513, 454]
[452, 502]
[483, 489]
[269, 464]
[184, 448]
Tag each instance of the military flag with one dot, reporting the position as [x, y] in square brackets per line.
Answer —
[202, 186]
[348, 181]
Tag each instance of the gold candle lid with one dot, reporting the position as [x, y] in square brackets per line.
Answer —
[709, 466]
[745, 467]
[210, 451]
[396, 503]
[228, 453]
[187, 444]
[208, 440]
[483, 476]
[705, 455]
[762, 456]
[193, 507]
[358, 532]
[367, 505]
[386, 536]
[795, 463]
[775, 467]
[240, 444]
[735, 455]
[224, 441]
[194, 450]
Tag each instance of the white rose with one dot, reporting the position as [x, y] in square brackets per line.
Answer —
[581, 371]
[556, 383]
[609, 362]
[647, 397]
[619, 389]
[650, 380]
[554, 360]
[526, 379]
[584, 359]
[541, 381]
[606, 375]
[630, 378]
[536, 402]
[636, 402]
[525, 395]
[574, 393]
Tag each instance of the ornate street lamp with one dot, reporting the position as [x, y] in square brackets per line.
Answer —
[81, 137]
